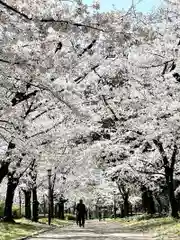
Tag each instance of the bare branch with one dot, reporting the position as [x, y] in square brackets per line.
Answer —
[51, 20]
[87, 48]
[159, 146]
[28, 166]
[150, 173]
[13, 63]
[48, 20]
[157, 65]
[40, 114]
[14, 10]
[47, 130]
[81, 78]
[111, 110]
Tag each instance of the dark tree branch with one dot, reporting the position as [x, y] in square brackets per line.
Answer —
[165, 68]
[32, 162]
[22, 97]
[87, 48]
[49, 20]
[159, 146]
[158, 65]
[81, 78]
[111, 110]
[173, 158]
[47, 130]
[13, 63]
[40, 114]
[28, 110]
[14, 10]
[151, 173]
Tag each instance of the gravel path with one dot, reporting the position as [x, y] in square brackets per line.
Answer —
[93, 230]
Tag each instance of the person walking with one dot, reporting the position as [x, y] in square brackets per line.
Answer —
[100, 213]
[81, 213]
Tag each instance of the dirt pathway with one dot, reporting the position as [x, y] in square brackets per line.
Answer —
[93, 230]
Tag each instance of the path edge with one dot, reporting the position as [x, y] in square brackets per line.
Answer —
[37, 233]
[52, 227]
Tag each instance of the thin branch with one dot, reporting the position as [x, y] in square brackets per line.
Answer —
[48, 20]
[13, 63]
[29, 110]
[5, 121]
[4, 138]
[146, 172]
[150, 173]
[87, 48]
[51, 20]
[14, 10]
[157, 65]
[81, 78]
[47, 130]
[40, 114]
[22, 173]
[111, 110]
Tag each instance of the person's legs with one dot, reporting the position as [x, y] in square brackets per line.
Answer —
[77, 219]
[80, 220]
[83, 220]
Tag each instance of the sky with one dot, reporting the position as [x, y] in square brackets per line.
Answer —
[143, 6]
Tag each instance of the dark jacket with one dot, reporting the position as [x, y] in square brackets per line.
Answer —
[81, 209]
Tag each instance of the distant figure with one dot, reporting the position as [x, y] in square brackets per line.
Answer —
[81, 213]
[100, 214]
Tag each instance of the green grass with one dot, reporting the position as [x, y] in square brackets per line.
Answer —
[22, 228]
[55, 222]
[161, 228]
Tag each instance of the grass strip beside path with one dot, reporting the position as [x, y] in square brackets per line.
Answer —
[10, 231]
[55, 222]
[24, 228]
[161, 228]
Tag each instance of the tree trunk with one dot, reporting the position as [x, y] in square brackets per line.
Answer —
[44, 206]
[11, 186]
[52, 204]
[61, 211]
[5, 165]
[122, 210]
[35, 205]
[3, 171]
[148, 201]
[172, 199]
[151, 204]
[126, 205]
[27, 197]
